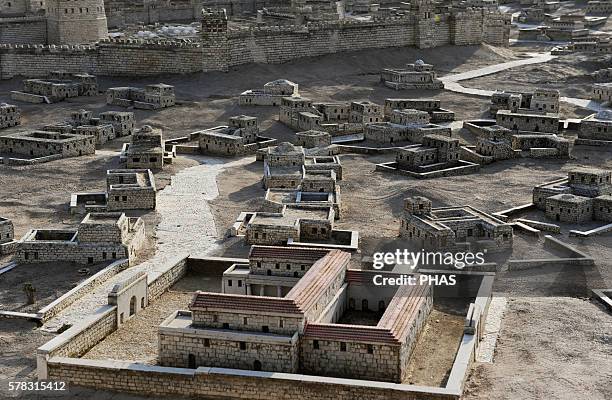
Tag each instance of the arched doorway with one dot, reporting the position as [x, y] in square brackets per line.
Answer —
[133, 305]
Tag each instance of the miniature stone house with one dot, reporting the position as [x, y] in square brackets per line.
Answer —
[126, 189]
[59, 86]
[364, 112]
[270, 95]
[596, 128]
[409, 116]
[283, 166]
[569, 208]
[297, 318]
[146, 151]
[431, 106]
[9, 116]
[528, 122]
[7, 236]
[415, 76]
[310, 139]
[122, 122]
[45, 144]
[152, 97]
[448, 228]
[240, 137]
[100, 237]
[583, 196]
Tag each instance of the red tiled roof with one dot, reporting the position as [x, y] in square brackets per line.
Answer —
[317, 279]
[358, 333]
[235, 302]
[293, 253]
[403, 309]
[367, 276]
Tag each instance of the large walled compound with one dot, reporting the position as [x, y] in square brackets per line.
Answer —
[9, 115]
[151, 97]
[294, 326]
[7, 236]
[146, 150]
[596, 129]
[126, 189]
[40, 146]
[220, 48]
[239, 138]
[368, 348]
[585, 195]
[415, 76]
[453, 228]
[99, 237]
[59, 86]
[270, 95]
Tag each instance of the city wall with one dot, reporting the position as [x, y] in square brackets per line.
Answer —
[220, 51]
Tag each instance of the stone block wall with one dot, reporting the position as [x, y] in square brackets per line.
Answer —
[351, 359]
[23, 30]
[271, 234]
[567, 211]
[7, 231]
[40, 252]
[122, 197]
[528, 122]
[175, 349]
[602, 208]
[595, 129]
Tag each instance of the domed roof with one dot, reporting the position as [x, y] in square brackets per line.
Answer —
[419, 62]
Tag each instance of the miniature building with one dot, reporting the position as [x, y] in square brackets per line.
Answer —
[283, 166]
[100, 237]
[126, 189]
[270, 95]
[290, 332]
[7, 236]
[528, 122]
[152, 97]
[82, 123]
[388, 132]
[602, 92]
[310, 139]
[415, 76]
[9, 116]
[409, 116]
[431, 106]
[364, 112]
[585, 182]
[40, 144]
[540, 101]
[239, 138]
[59, 86]
[436, 149]
[66, 28]
[453, 228]
[324, 163]
[122, 122]
[569, 208]
[596, 129]
[146, 151]
[601, 7]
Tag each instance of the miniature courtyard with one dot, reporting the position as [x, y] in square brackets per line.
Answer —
[149, 230]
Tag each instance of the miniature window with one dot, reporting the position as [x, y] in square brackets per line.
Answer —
[229, 282]
[206, 342]
[342, 346]
[315, 344]
[245, 321]
[242, 345]
[370, 349]
[225, 325]
[265, 329]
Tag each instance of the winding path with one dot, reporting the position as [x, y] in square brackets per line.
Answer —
[187, 227]
[451, 82]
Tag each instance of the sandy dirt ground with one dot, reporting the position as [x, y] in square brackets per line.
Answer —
[38, 196]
